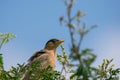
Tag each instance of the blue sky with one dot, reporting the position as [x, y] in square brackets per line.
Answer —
[35, 22]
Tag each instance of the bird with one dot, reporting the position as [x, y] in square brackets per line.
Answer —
[46, 56]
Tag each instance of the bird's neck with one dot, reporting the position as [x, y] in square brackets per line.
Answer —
[52, 51]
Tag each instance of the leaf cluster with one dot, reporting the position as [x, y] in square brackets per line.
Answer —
[82, 59]
[107, 72]
[37, 72]
[4, 38]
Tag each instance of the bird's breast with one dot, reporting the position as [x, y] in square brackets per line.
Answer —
[52, 60]
[48, 59]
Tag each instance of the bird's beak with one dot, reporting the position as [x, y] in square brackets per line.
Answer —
[60, 41]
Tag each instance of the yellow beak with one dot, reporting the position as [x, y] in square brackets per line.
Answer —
[60, 41]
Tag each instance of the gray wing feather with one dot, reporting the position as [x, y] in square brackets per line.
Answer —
[36, 54]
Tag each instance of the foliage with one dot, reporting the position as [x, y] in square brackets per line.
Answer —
[16, 73]
[1, 62]
[63, 59]
[84, 57]
[38, 72]
[107, 72]
[81, 59]
[4, 38]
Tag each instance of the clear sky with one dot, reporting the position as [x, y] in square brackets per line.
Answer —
[36, 21]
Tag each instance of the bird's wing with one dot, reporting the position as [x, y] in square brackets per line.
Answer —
[36, 54]
[35, 57]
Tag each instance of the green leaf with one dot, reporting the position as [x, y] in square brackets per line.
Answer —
[1, 62]
[4, 38]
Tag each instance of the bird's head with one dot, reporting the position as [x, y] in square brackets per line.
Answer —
[53, 44]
